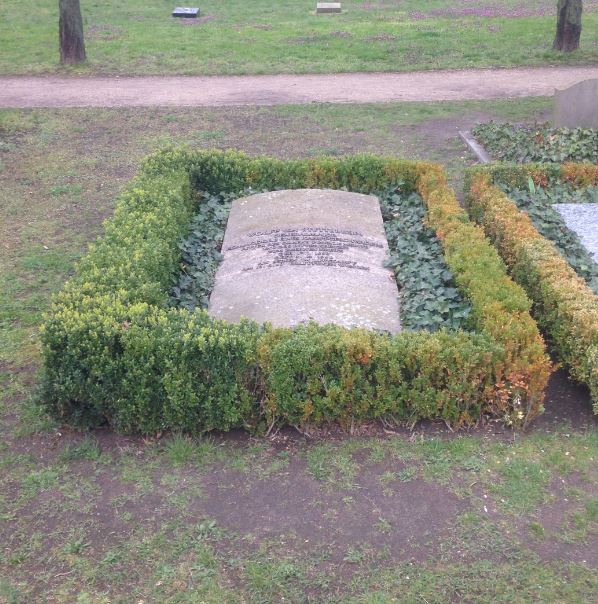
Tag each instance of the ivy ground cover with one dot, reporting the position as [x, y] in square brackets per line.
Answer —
[539, 204]
[538, 142]
[429, 298]
[514, 205]
[117, 351]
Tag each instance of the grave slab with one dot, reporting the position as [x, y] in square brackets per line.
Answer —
[294, 256]
[328, 7]
[583, 219]
[186, 12]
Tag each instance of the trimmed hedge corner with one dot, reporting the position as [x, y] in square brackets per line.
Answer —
[565, 307]
[115, 352]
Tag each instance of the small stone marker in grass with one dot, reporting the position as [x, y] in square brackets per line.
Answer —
[185, 12]
[328, 7]
[309, 254]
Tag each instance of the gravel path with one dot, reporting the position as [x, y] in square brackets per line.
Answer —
[583, 219]
[53, 91]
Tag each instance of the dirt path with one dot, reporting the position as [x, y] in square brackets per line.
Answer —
[53, 91]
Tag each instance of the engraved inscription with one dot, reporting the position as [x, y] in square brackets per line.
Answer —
[310, 246]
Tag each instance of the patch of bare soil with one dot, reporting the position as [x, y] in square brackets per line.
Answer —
[400, 520]
[566, 403]
[556, 519]
[196, 20]
[489, 8]
[381, 38]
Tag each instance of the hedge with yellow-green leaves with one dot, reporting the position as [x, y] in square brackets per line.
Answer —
[116, 353]
[564, 306]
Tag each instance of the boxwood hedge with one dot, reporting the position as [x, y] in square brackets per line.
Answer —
[564, 305]
[115, 352]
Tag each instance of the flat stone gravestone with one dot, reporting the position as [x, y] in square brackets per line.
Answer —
[293, 256]
[185, 12]
[577, 106]
[328, 7]
[583, 219]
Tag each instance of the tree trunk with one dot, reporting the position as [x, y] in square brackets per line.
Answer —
[70, 25]
[568, 27]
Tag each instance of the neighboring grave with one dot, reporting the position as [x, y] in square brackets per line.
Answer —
[308, 254]
[577, 106]
[328, 7]
[185, 12]
[583, 219]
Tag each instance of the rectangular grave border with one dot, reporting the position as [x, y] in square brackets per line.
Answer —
[115, 352]
[564, 306]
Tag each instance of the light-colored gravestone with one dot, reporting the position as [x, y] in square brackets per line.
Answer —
[583, 219]
[577, 106]
[290, 257]
[186, 12]
[328, 7]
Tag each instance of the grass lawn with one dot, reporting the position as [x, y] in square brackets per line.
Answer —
[98, 518]
[233, 37]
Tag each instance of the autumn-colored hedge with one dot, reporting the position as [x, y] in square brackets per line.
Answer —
[500, 307]
[564, 306]
[543, 175]
[116, 352]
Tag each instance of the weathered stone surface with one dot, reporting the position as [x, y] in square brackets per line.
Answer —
[328, 7]
[308, 254]
[185, 12]
[583, 219]
[577, 106]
